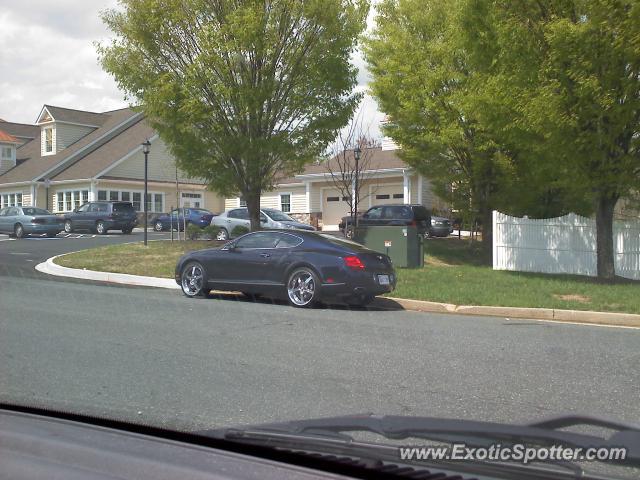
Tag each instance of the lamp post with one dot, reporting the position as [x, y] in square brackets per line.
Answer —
[47, 184]
[356, 156]
[145, 149]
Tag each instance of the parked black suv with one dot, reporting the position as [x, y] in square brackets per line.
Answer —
[102, 217]
[413, 215]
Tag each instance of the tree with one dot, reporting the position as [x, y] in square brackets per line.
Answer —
[422, 80]
[569, 71]
[345, 173]
[241, 92]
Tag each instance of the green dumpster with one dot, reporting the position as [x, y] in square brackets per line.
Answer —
[402, 243]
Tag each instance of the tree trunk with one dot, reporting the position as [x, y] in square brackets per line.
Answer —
[486, 216]
[253, 205]
[604, 233]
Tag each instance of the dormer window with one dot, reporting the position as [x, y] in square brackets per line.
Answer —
[6, 153]
[48, 140]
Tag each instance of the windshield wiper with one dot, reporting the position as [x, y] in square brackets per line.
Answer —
[335, 430]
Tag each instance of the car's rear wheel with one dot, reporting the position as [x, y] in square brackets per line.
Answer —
[101, 228]
[303, 288]
[68, 226]
[127, 230]
[223, 234]
[18, 231]
[193, 280]
[52, 235]
[158, 227]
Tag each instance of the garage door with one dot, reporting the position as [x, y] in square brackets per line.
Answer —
[333, 209]
[387, 194]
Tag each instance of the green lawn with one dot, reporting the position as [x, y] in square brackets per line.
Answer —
[455, 272]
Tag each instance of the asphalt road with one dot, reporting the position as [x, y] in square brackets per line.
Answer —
[155, 356]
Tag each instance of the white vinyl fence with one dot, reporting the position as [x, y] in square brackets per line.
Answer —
[561, 245]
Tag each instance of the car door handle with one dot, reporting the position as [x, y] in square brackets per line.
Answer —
[265, 255]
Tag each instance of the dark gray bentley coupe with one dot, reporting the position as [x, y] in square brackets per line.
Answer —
[303, 267]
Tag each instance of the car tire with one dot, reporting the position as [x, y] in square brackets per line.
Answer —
[52, 235]
[101, 228]
[193, 280]
[222, 235]
[68, 226]
[303, 288]
[18, 231]
[158, 227]
[127, 231]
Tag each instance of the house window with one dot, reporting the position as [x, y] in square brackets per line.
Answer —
[68, 201]
[113, 196]
[137, 204]
[11, 200]
[125, 196]
[333, 199]
[398, 195]
[48, 140]
[243, 202]
[157, 202]
[76, 199]
[194, 200]
[102, 195]
[285, 202]
[60, 201]
[85, 196]
[6, 153]
[382, 197]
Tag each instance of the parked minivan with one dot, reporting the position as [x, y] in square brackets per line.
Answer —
[413, 215]
[101, 217]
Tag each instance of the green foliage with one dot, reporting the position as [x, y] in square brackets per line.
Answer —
[240, 91]
[193, 231]
[211, 231]
[239, 230]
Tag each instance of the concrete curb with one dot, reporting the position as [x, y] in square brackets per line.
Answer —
[51, 268]
[547, 314]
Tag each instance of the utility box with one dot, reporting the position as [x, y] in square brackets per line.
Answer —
[402, 243]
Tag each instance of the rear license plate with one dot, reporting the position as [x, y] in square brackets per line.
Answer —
[383, 279]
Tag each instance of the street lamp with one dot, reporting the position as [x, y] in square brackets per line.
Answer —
[145, 149]
[356, 156]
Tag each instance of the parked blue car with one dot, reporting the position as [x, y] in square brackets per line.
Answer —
[178, 217]
[21, 221]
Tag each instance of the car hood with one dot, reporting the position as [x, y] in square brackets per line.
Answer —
[300, 225]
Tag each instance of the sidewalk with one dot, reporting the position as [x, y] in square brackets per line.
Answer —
[544, 314]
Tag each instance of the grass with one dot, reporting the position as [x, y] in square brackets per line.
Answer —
[455, 272]
[158, 259]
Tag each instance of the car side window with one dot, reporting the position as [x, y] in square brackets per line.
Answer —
[12, 212]
[94, 208]
[84, 208]
[288, 241]
[375, 213]
[3, 212]
[396, 212]
[243, 213]
[233, 214]
[258, 240]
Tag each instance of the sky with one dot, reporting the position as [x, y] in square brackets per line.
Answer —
[47, 56]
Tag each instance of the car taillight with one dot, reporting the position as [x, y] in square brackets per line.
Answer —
[353, 262]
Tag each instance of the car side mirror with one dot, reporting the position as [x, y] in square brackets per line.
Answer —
[230, 247]
[75, 210]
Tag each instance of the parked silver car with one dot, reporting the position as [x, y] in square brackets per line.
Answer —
[269, 218]
[21, 221]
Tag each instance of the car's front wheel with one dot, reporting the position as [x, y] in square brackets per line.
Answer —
[68, 226]
[223, 235]
[193, 280]
[158, 227]
[303, 288]
[18, 231]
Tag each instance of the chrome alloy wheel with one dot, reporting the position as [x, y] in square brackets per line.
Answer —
[192, 279]
[301, 288]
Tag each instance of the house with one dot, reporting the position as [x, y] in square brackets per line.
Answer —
[72, 156]
[313, 196]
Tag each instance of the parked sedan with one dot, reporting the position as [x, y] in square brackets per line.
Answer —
[269, 218]
[21, 221]
[178, 217]
[303, 267]
[440, 227]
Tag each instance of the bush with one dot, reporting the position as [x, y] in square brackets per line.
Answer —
[193, 231]
[211, 231]
[239, 230]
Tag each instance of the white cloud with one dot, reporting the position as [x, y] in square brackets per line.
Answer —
[48, 56]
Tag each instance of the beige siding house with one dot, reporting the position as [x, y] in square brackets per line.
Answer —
[312, 196]
[70, 157]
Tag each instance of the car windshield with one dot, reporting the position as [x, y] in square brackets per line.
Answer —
[278, 216]
[426, 211]
[35, 211]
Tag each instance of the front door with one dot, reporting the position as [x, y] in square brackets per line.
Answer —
[253, 255]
